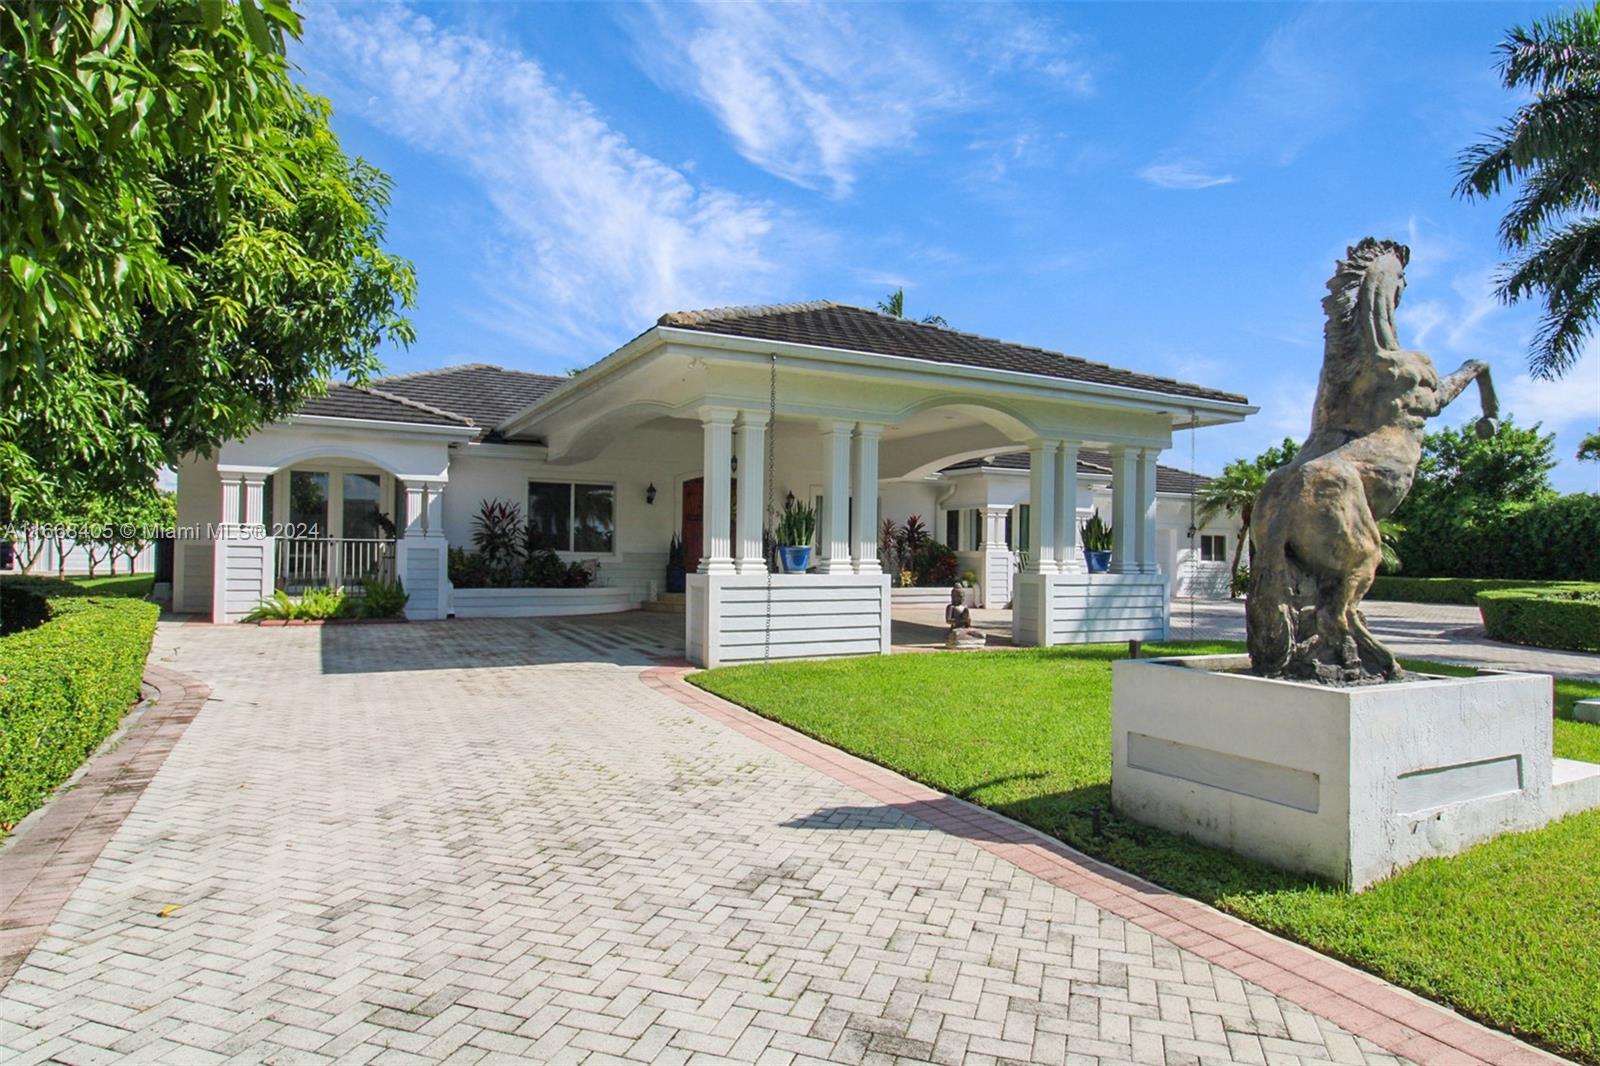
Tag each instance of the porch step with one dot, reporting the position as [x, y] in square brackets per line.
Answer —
[668, 603]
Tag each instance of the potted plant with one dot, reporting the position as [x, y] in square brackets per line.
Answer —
[676, 571]
[1096, 538]
[795, 529]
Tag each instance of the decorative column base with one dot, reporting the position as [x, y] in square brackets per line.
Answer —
[421, 562]
[811, 616]
[1049, 609]
[242, 572]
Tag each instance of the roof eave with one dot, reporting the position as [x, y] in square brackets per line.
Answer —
[386, 425]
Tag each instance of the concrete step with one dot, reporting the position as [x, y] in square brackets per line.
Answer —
[1576, 786]
[668, 603]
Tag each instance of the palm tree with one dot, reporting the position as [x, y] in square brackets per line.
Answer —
[1233, 492]
[895, 306]
[1551, 146]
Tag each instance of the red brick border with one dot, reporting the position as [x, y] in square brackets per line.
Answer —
[1366, 1006]
[43, 862]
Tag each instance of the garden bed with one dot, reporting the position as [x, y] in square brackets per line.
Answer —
[70, 671]
[1504, 932]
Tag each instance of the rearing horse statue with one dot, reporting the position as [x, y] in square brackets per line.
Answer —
[1314, 531]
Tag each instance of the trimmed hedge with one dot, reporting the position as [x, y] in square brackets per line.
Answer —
[1462, 590]
[1547, 618]
[64, 684]
[1554, 539]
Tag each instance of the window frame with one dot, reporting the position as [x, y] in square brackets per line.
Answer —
[570, 553]
[1221, 540]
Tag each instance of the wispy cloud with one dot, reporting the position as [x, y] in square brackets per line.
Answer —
[813, 92]
[1184, 175]
[1294, 91]
[595, 237]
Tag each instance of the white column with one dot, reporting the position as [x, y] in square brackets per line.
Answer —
[416, 502]
[1067, 559]
[718, 475]
[254, 497]
[1146, 551]
[433, 524]
[1126, 517]
[232, 487]
[751, 514]
[1042, 512]
[866, 497]
[835, 532]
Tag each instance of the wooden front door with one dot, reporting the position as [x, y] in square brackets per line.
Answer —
[694, 529]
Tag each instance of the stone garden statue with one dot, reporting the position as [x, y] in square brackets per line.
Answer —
[958, 616]
[1314, 531]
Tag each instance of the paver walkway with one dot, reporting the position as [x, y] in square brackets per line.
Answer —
[495, 841]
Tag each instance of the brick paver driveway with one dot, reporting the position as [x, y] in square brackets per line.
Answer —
[491, 840]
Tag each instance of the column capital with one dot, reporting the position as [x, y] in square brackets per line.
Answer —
[833, 426]
[717, 416]
[755, 419]
[869, 429]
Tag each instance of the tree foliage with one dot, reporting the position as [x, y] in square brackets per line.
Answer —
[1550, 150]
[1234, 492]
[1589, 448]
[894, 305]
[1486, 508]
[188, 252]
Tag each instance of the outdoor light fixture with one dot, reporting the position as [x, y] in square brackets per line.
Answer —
[650, 494]
[735, 464]
[788, 502]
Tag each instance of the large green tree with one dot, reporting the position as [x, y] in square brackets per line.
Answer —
[1550, 150]
[188, 252]
[1234, 492]
[1462, 471]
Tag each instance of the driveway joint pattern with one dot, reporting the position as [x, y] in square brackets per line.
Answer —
[518, 839]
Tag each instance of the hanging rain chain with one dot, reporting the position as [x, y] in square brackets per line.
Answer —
[771, 508]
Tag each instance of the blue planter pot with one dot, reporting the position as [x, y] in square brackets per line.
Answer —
[795, 559]
[1097, 562]
[676, 579]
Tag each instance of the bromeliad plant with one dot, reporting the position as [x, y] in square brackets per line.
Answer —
[497, 534]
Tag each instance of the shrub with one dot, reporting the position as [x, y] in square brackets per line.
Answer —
[1555, 539]
[1548, 618]
[1463, 590]
[382, 599]
[316, 604]
[935, 565]
[467, 569]
[497, 534]
[67, 681]
[545, 570]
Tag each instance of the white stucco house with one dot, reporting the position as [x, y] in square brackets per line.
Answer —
[679, 431]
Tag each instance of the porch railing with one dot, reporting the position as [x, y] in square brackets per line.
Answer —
[332, 562]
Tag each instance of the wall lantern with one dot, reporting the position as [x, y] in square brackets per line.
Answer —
[735, 464]
[788, 502]
[650, 494]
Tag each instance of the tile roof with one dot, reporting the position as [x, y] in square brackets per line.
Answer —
[352, 401]
[484, 393]
[470, 395]
[832, 325]
[1168, 478]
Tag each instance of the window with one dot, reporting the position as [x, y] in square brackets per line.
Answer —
[308, 503]
[977, 530]
[1024, 516]
[952, 530]
[360, 507]
[567, 517]
[1213, 548]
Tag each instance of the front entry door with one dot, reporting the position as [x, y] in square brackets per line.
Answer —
[694, 523]
[694, 529]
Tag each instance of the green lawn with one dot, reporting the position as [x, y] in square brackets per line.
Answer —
[1506, 932]
[121, 585]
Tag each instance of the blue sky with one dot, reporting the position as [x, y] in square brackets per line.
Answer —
[1161, 187]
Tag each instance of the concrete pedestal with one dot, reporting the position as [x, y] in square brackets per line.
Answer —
[1350, 784]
